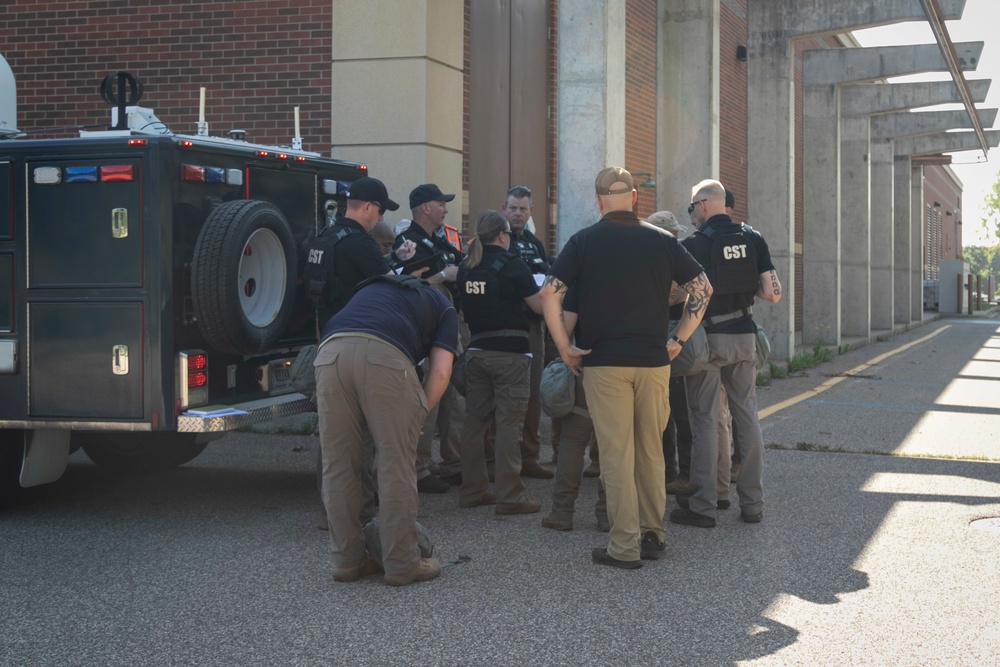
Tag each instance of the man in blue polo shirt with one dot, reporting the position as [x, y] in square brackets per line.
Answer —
[366, 378]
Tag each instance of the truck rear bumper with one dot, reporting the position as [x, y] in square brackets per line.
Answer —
[247, 414]
[250, 414]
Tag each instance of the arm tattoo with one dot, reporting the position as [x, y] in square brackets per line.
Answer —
[775, 285]
[698, 295]
[677, 295]
[557, 285]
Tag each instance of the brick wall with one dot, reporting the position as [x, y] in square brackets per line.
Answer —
[733, 103]
[640, 96]
[258, 59]
[466, 226]
[941, 188]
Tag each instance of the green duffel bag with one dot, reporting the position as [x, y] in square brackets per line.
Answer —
[694, 355]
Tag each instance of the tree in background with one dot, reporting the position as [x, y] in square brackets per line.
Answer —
[991, 208]
[983, 260]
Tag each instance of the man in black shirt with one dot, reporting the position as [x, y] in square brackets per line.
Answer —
[429, 208]
[517, 209]
[627, 272]
[738, 262]
[356, 255]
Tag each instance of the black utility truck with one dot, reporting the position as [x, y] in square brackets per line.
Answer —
[151, 293]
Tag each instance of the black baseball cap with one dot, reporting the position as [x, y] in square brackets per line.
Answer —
[427, 192]
[373, 190]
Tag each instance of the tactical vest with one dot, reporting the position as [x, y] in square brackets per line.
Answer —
[322, 284]
[733, 265]
[529, 253]
[479, 291]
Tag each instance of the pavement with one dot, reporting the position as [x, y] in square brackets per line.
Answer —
[879, 464]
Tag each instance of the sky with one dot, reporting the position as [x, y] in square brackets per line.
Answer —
[979, 23]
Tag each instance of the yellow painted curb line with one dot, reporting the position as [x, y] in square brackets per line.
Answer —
[832, 382]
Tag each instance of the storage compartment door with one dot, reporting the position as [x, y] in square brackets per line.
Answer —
[85, 360]
[84, 224]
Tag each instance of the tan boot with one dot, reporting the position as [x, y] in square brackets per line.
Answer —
[425, 570]
[520, 507]
[367, 568]
[679, 485]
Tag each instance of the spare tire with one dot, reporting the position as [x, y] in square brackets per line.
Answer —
[243, 277]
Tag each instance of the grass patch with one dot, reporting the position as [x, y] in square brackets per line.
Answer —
[801, 362]
[763, 380]
[778, 373]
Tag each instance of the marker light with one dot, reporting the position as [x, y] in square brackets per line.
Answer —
[81, 174]
[118, 172]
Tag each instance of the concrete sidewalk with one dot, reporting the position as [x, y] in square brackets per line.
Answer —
[863, 558]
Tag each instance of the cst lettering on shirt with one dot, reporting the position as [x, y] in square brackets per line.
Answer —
[475, 287]
[316, 256]
[734, 251]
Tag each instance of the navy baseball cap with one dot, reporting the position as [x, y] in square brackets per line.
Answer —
[427, 192]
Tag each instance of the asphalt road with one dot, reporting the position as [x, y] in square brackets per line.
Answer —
[867, 554]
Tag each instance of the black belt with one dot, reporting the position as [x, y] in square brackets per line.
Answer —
[735, 315]
[499, 333]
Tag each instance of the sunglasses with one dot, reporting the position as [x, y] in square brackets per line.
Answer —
[381, 209]
[693, 204]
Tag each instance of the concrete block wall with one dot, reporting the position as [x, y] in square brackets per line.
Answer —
[258, 59]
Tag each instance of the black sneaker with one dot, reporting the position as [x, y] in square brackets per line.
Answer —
[651, 548]
[686, 517]
[432, 484]
[752, 518]
[682, 501]
[601, 557]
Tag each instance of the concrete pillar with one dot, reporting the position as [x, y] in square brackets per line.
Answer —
[688, 109]
[821, 70]
[855, 239]
[916, 243]
[929, 144]
[885, 128]
[902, 246]
[882, 251]
[591, 88]
[771, 25]
[398, 93]
[591, 85]
[821, 222]
[771, 156]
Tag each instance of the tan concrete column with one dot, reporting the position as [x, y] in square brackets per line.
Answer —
[397, 101]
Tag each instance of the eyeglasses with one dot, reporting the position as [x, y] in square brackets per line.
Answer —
[695, 203]
[504, 231]
[519, 192]
[381, 209]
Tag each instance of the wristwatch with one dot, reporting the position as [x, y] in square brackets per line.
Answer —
[678, 341]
